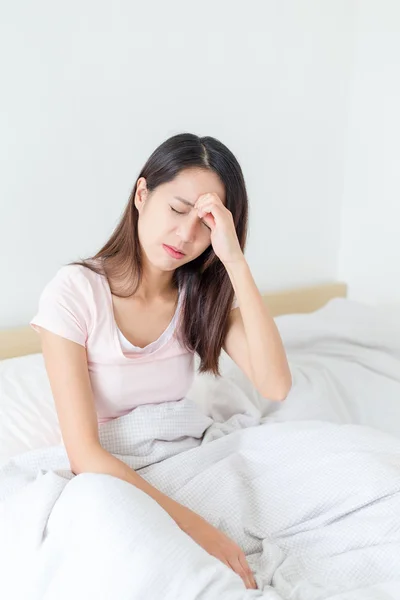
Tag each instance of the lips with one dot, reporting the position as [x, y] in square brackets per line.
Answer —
[176, 249]
[174, 252]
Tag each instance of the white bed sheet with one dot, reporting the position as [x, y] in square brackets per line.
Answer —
[310, 488]
[345, 365]
[28, 418]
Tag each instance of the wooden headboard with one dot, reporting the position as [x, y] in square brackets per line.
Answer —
[21, 341]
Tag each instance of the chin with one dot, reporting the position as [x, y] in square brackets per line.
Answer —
[169, 263]
[166, 264]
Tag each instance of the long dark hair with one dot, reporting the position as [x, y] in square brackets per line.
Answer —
[208, 289]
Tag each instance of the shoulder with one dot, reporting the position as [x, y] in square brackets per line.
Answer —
[76, 290]
[70, 303]
[73, 279]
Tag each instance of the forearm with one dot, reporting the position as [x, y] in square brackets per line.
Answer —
[97, 460]
[267, 357]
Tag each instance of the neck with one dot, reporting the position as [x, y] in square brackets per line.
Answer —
[154, 283]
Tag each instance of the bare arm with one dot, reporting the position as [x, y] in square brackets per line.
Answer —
[67, 369]
[253, 340]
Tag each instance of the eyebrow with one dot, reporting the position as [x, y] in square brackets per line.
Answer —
[183, 200]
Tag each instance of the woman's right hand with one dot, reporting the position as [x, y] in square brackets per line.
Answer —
[219, 545]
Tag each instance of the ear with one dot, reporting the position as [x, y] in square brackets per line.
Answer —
[141, 193]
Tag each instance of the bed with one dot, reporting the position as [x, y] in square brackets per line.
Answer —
[309, 488]
[31, 421]
[22, 341]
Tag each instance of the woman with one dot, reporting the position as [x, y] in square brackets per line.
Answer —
[121, 328]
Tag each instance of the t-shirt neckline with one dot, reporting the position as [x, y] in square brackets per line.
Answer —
[160, 342]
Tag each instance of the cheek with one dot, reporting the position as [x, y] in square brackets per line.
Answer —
[203, 241]
[154, 225]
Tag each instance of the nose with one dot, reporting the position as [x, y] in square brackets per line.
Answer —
[188, 227]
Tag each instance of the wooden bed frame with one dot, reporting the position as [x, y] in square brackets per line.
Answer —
[24, 340]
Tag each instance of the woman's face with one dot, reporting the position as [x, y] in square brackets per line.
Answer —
[168, 218]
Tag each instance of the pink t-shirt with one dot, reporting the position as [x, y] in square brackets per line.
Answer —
[77, 304]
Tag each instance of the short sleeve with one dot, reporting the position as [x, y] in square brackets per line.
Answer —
[64, 305]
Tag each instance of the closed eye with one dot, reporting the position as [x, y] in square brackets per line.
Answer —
[177, 211]
[183, 213]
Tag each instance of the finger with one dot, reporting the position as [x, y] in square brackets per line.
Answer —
[209, 217]
[228, 564]
[237, 567]
[249, 573]
[205, 208]
[209, 207]
[203, 205]
[245, 572]
[216, 208]
[201, 201]
[205, 198]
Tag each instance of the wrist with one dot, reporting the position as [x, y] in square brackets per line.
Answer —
[237, 265]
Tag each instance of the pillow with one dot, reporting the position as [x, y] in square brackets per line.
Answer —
[28, 418]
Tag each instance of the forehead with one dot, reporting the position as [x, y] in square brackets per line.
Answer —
[192, 183]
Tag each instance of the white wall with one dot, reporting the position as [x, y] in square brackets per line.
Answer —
[89, 89]
[369, 258]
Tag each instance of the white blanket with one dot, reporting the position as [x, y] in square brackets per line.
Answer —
[311, 497]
